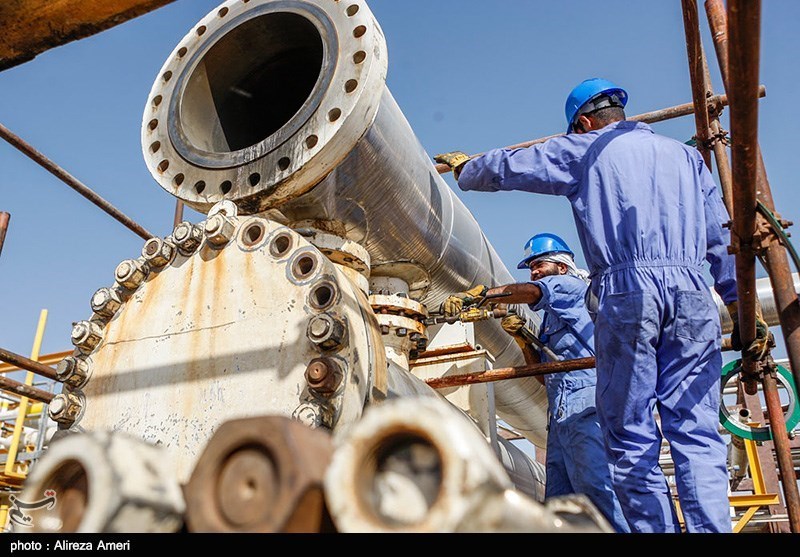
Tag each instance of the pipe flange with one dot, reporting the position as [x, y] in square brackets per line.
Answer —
[211, 131]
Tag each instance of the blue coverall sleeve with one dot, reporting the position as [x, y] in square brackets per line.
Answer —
[552, 167]
[723, 267]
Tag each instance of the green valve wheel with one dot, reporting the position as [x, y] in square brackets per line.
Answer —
[737, 427]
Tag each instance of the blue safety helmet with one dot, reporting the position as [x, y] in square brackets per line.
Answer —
[581, 98]
[542, 244]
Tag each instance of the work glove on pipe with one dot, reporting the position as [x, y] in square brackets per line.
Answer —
[453, 305]
[454, 160]
[764, 338]
[512, 324]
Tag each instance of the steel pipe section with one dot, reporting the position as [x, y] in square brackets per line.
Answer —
[766, 298]
[103, 482]
[419, 465]
[283, 104]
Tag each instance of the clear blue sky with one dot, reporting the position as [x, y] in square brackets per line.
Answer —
[468, 74]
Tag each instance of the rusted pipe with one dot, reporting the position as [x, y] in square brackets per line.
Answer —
[502, 373]
[744, 22]
[178, 213]
[783, 451]
[27, 364]
[713, 103]
[22, 389]
[4, 219]
[71, 181]
[775, 259]
[694, 50]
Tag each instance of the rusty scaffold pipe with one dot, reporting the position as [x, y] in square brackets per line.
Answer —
[500, 374]
[22, 389]
[27, 364]
[714, 103]
[744, 18]
[4, 219]
[72, 182]
[774, 257]
[694, 51]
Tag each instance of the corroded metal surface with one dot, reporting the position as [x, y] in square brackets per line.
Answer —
[31, 27]
[261, 475]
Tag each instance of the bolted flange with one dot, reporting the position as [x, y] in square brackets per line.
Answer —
[131, 273]
[187, 237]
[219, 229]
[65, 408]
[86, 335]
[158, 252]
[106, 302]
[326, 331]
[73, 371]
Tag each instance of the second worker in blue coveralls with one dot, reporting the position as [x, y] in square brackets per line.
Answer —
[576, 457]
[648, 216]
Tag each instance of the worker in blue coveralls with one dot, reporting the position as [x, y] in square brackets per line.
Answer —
[576, 458]
[648, 215]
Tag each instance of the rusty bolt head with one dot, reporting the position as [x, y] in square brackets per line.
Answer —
[326, 331]
[131, 273]
[187, 237]
[323, 375]
[73, 371]
[219, 229]
[158, 252]
[86, 335]
[414, 337]
[65, 408]
[401, 331]
[106, 302]
[384, 329]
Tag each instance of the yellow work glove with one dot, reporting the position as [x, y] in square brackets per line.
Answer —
[764, 338]
[454, 160]
[453, 305]
[512, 324]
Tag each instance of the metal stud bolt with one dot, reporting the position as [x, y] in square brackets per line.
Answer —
[131, 273]
[158, 252]
[106, 302]
[219, 229]
[73, 371]
[326, 331]
[187, 237]
[86, 335]
[65, 408]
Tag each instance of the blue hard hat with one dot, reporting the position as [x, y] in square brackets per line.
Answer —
[542, 244]
[581, 97]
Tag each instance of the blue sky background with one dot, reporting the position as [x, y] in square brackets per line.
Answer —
[468, 75]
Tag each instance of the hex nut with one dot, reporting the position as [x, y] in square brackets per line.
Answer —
[131, 273]
[86, 335]
[106, 302]
[326, 331]
[65, 408]
[219, 229]
[73, 371]
[158, 252]
[187, 237]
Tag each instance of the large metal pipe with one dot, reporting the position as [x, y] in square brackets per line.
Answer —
[283, 104]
